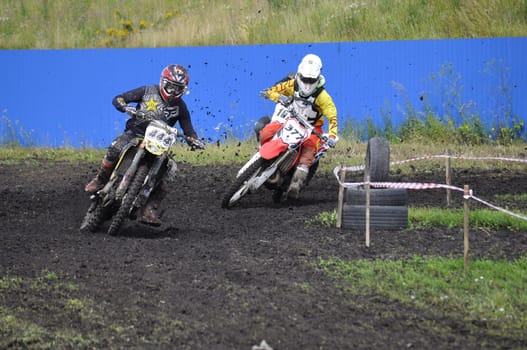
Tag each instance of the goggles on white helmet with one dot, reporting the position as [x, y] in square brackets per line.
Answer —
[308, 75]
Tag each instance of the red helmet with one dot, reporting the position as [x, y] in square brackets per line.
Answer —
[173, 83]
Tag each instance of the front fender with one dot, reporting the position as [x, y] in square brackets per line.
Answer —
[272, 149]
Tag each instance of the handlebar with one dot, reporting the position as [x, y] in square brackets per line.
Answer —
[305, 123]
[131, 111]
[194, 143]
[287, 102]
[150, 115]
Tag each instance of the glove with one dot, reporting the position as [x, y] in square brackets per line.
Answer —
[195, 143]
[284, 100]
[264, 94]
[130, 110]
[331, 141]
[148, 115]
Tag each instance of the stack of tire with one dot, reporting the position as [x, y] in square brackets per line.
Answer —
[388, 206]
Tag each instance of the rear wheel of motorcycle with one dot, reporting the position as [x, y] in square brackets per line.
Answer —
[128, 200]
[239, 188]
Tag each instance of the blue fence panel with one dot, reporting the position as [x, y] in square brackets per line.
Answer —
[63, 97]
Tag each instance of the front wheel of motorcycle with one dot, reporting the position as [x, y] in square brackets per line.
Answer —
[128, 200]
[241, 186]
[94, 216]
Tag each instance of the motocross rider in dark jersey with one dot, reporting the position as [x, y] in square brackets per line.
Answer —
[162, 102]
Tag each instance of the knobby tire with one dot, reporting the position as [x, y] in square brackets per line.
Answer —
[240, 182]
[94, 218]
[128, 200]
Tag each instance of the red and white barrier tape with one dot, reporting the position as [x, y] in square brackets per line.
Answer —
[519, 216]
[422, 186]
[408, 185]
[361, 167]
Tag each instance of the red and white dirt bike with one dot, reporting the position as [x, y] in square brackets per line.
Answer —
[275, 161]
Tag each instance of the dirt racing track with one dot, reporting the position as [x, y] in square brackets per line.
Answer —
[211, 278]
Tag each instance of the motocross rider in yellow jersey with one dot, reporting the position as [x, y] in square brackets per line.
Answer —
[310, 100]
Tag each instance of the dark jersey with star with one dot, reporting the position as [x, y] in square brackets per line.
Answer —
[148, 99]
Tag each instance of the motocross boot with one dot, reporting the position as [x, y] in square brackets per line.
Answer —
[297, 182]
[102, 177]
[150, 212]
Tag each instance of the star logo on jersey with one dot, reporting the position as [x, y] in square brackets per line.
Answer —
[151, 105]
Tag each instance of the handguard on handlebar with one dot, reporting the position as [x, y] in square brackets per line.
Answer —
[140, 114]
[194, 143]
[285, 100]
[148, 115]
[130, 110]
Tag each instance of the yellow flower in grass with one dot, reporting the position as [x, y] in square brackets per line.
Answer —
[127, 25]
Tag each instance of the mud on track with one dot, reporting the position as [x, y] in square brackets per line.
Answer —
[226, 279]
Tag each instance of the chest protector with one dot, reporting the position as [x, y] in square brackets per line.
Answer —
[305, 106]
[152, 101]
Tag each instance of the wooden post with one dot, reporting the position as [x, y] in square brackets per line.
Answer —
[367, 221]
[340, 204]
[448, 167]
[466, 197]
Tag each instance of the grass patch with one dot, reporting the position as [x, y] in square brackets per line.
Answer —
[14, 154]
[453, 218]
[347, 152]
[14, 330]
[47, 294]
[490, 291]
[227, 153]
[55, 313]
[325, 218]
[97, 23]
[427, 217]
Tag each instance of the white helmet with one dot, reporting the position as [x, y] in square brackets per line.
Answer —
[308, 75]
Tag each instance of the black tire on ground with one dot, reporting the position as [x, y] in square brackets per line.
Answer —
[377, 163]
[378, 196]
[128, 200]
[239, 189]
[94, 217]
[381, 217]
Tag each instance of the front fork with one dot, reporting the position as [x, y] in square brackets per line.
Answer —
[130, 172]
[151, 180]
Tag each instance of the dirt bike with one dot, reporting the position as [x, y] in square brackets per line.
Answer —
[275, 161]
[142, 164]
